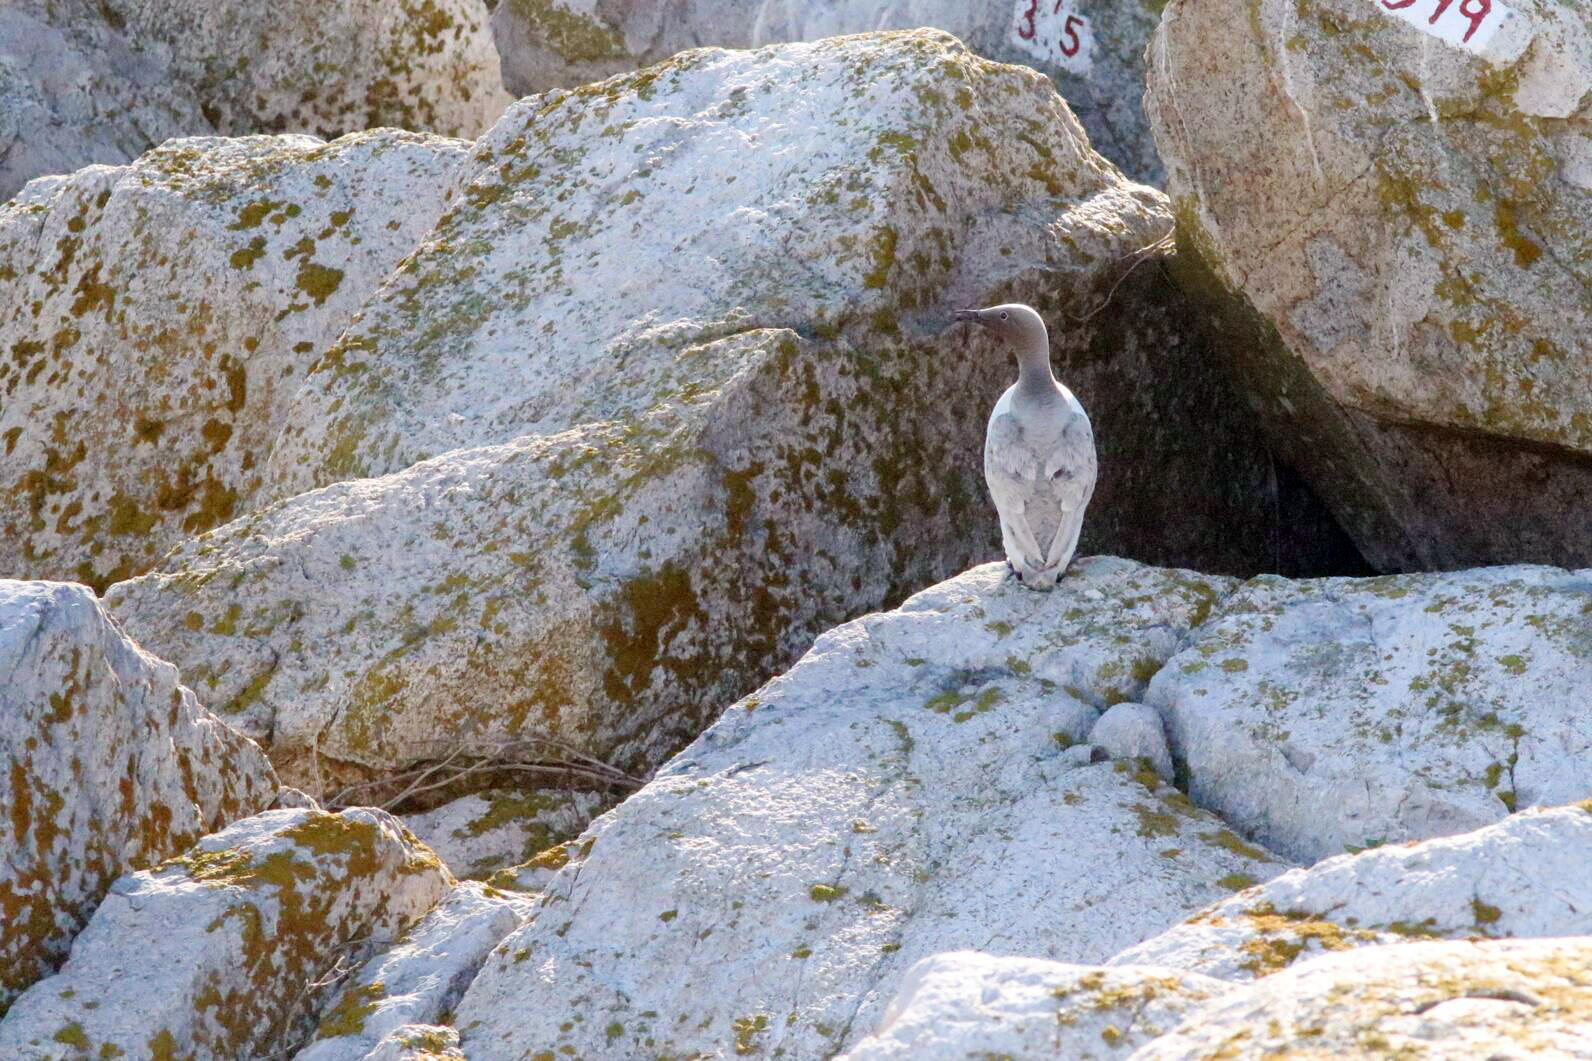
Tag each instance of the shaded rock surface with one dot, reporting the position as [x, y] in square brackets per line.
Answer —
[1094, 52]
[397, 1000]
[1323, 715]
[1524, 876]
[74, 91]
[222, 951]
[657, 478]
[162, 316]
[902, 790]
[966, 1004]
[1512, 998]
[107, 765]
[479, 834]
[102, 82]
[1396, 234]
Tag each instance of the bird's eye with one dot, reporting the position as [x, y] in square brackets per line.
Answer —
[1003, 316]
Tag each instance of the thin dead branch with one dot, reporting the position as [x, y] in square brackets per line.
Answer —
[1164, 245]
[541, 758]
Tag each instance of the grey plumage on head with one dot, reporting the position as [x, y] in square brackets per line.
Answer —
[1021, 328]
[1013, 323]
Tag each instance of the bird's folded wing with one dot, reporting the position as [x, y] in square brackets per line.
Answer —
[1071, 468]
[1010, 468]
[1052, 485]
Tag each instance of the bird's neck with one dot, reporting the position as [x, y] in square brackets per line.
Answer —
[1035, 382]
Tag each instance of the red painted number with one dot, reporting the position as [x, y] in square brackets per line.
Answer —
[1475, 10]
[1027, 32]
[1476, 14]
[1070, 30]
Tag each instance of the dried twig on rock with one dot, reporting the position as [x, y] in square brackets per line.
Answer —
[541, 758]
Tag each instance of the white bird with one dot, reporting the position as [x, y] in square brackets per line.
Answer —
[1039, 453]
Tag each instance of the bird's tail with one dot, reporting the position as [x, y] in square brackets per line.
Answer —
[1039, 578]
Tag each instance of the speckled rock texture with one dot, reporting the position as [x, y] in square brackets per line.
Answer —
[1507, 999]
[657, 477]
[970, 1005]
[399, 998]
[224, 951]
[107, 765]
[479, 834]
[160, 317]
[903, 790]
[1324, 715]
[1525, 876]
[562, 43]
[102, 81]
[1396, 232]
[74, 91]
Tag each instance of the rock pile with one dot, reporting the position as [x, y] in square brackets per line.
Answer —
[506, 484]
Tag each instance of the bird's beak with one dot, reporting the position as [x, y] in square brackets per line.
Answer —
[969, 316]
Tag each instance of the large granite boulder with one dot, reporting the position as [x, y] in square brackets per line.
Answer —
[1525, 876]
[107, 765]
[1093, 51]
[102, 81]
[970, 1005]
[909, 787]
[681, 419]
[233, 948]
[1506, 999]
[163, 314]
[1389, 209]
[1326, 715]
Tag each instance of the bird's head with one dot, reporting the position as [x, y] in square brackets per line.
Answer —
[1013, 323]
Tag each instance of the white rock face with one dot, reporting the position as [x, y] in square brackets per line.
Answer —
[213, 953]
[900, 791]
[482, 833]
[1093, 52]
[87, 82]
[107, 765]
[164, 314]
[1510, 999]
[966, 1004]
[1524, 876]
[1319, 716]
[1134, 731]
[677, 472]
[878, 180]
[1398, 233]
[399, 997]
